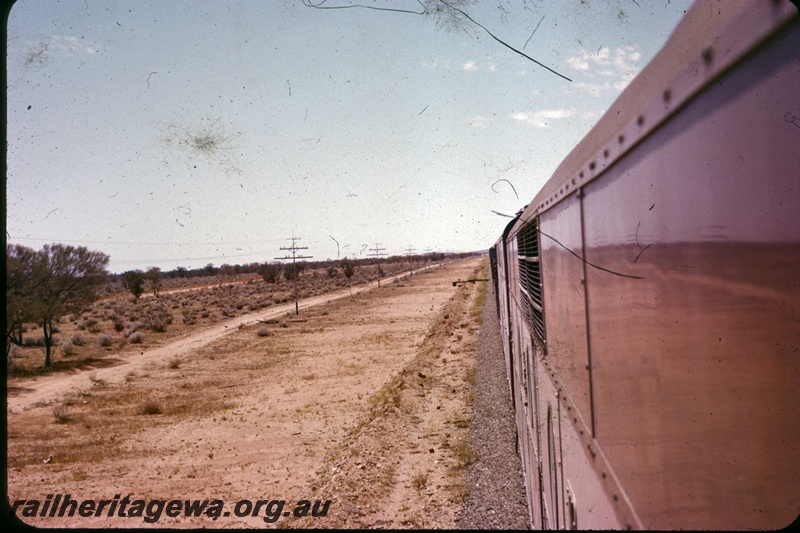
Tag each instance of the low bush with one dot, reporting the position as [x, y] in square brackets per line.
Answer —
[68, 349]
[62, 415]
[150, 407]
[33, 342]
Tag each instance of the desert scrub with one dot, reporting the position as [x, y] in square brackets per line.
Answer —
[61, 415]
[150, 407]
[105, 340]
[465, 454]
[420, 480]
[33, 342]
[68, 349]
[90, 324]
[136, 337]
[157, 317]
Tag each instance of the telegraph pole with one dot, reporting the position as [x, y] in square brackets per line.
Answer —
[409, 252]
[377, 253]
[294, 248]
[428, 252]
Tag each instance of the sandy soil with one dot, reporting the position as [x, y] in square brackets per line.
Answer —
[46, 389]
[362, 400]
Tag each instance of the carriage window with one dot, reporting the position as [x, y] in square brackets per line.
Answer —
[530, 273]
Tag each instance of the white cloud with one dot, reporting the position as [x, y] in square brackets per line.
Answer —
[73, 43]
[595, 89]
[605, 70]
[472, 66]
[578, 63]
[543, 117]
[436, 63]
[479, 121]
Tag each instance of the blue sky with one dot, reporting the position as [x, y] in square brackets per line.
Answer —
[191, 132]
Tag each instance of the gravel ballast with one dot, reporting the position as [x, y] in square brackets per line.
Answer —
[497, 497]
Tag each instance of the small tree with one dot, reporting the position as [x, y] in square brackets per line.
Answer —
[25, 272]
[65, 280]
[209, 270]
[270, 272]
[348, 267]
[225, 272]
[133, 280]
[290, 269]
[153, 275]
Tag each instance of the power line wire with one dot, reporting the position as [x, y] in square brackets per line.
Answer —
[139, 243]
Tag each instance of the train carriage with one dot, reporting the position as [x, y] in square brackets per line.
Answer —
[649, 295]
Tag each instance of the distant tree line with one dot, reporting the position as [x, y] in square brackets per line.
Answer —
[136, 279]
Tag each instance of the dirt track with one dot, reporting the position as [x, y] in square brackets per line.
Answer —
[45, 390]
[363, 401]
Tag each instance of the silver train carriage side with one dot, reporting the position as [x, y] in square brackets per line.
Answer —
[649, 295]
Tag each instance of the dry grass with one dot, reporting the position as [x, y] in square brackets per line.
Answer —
[151, 407]
[62, 415]
[110, 416]
[117, 323]
[381, 339]
[411, 418]
[419, 480]
[470, 377]
[462, 423]
[483, 289]
[100, 423]
[465, 454]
